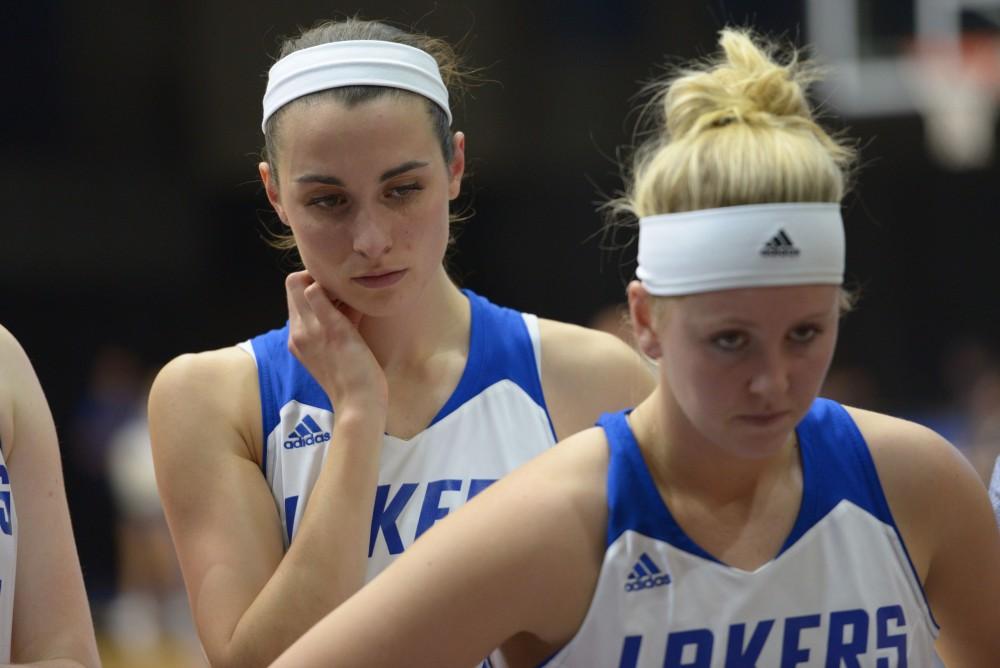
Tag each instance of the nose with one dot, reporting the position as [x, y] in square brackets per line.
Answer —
[372, 237]
[770, 377]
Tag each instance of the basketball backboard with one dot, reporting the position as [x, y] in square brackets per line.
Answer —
[938, 58]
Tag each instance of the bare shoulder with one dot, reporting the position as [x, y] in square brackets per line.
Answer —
[20, 391]
[8, 344]
[944, 516]
[218, 385]
[566, 481]
[573, 472]
[558, 498]
[917, 469]
[586, 372]
[568, 343]
[226, 366]
[13, 361]
[890, 438]
[903, 450]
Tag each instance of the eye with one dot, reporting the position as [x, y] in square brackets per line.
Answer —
[730, 341]
[329, 201]
[804, 333]
[404, 190]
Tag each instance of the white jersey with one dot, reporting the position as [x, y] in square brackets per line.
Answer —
[8, 560]
[495, 420]
[841, 592]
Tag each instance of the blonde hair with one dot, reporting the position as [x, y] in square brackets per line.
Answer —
[736, 130]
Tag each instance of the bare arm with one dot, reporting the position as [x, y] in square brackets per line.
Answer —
[52, 623]
[943, 513]
[586, 373]
[519, 562]
[249, 600]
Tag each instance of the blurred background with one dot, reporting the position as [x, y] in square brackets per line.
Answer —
[133, 212]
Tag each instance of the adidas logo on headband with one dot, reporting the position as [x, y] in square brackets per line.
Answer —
[779, 246]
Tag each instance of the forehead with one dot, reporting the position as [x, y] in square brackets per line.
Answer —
[759, 306]
[390, 128]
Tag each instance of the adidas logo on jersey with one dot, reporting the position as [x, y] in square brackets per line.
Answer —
[645, 575]
[306, 433]
[779, 246]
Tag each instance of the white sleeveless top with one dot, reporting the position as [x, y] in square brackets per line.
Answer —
[841, 592]
[495, 420]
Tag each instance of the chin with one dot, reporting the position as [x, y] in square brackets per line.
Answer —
[383, 303]
[755, 442]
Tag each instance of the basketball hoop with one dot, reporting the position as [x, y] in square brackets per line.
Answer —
[956, 85]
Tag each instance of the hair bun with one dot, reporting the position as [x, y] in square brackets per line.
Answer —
[732, 130]
[748, 85]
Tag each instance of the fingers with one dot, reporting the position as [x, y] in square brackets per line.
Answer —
[328, 311]
[300, 314]
[349, 312]
[313, 310]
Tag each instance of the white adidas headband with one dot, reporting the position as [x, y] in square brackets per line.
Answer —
[741, 246]
[353, 63]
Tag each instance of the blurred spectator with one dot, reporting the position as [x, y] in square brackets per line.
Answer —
[149, 619]
[108, 402]
[110, 399]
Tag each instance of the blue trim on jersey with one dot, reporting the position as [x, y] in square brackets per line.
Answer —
[282, 378]
[634, 502]
[836, 466]
[548, 659]
[499, 348]
[867, 465]
[291, 504]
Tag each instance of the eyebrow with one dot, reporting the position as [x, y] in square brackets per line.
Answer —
[386, 175]
[740, 322]
[402, 169]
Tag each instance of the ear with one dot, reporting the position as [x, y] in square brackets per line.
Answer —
[271, 188]
[457, 167]
[640, 308]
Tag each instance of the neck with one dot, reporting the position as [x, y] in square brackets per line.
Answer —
[437, 319]
[682, 461]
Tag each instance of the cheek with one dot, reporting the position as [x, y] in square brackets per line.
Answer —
[320, 245]
[432, 232]
[815, 368]
[405, 237]
[700, 386]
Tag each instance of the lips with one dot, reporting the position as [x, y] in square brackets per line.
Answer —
[380, 279]
[764, 419]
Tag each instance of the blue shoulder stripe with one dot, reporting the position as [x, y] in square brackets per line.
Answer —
[282, 378]
[836, 465]
[499, 349]
[634, 502]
